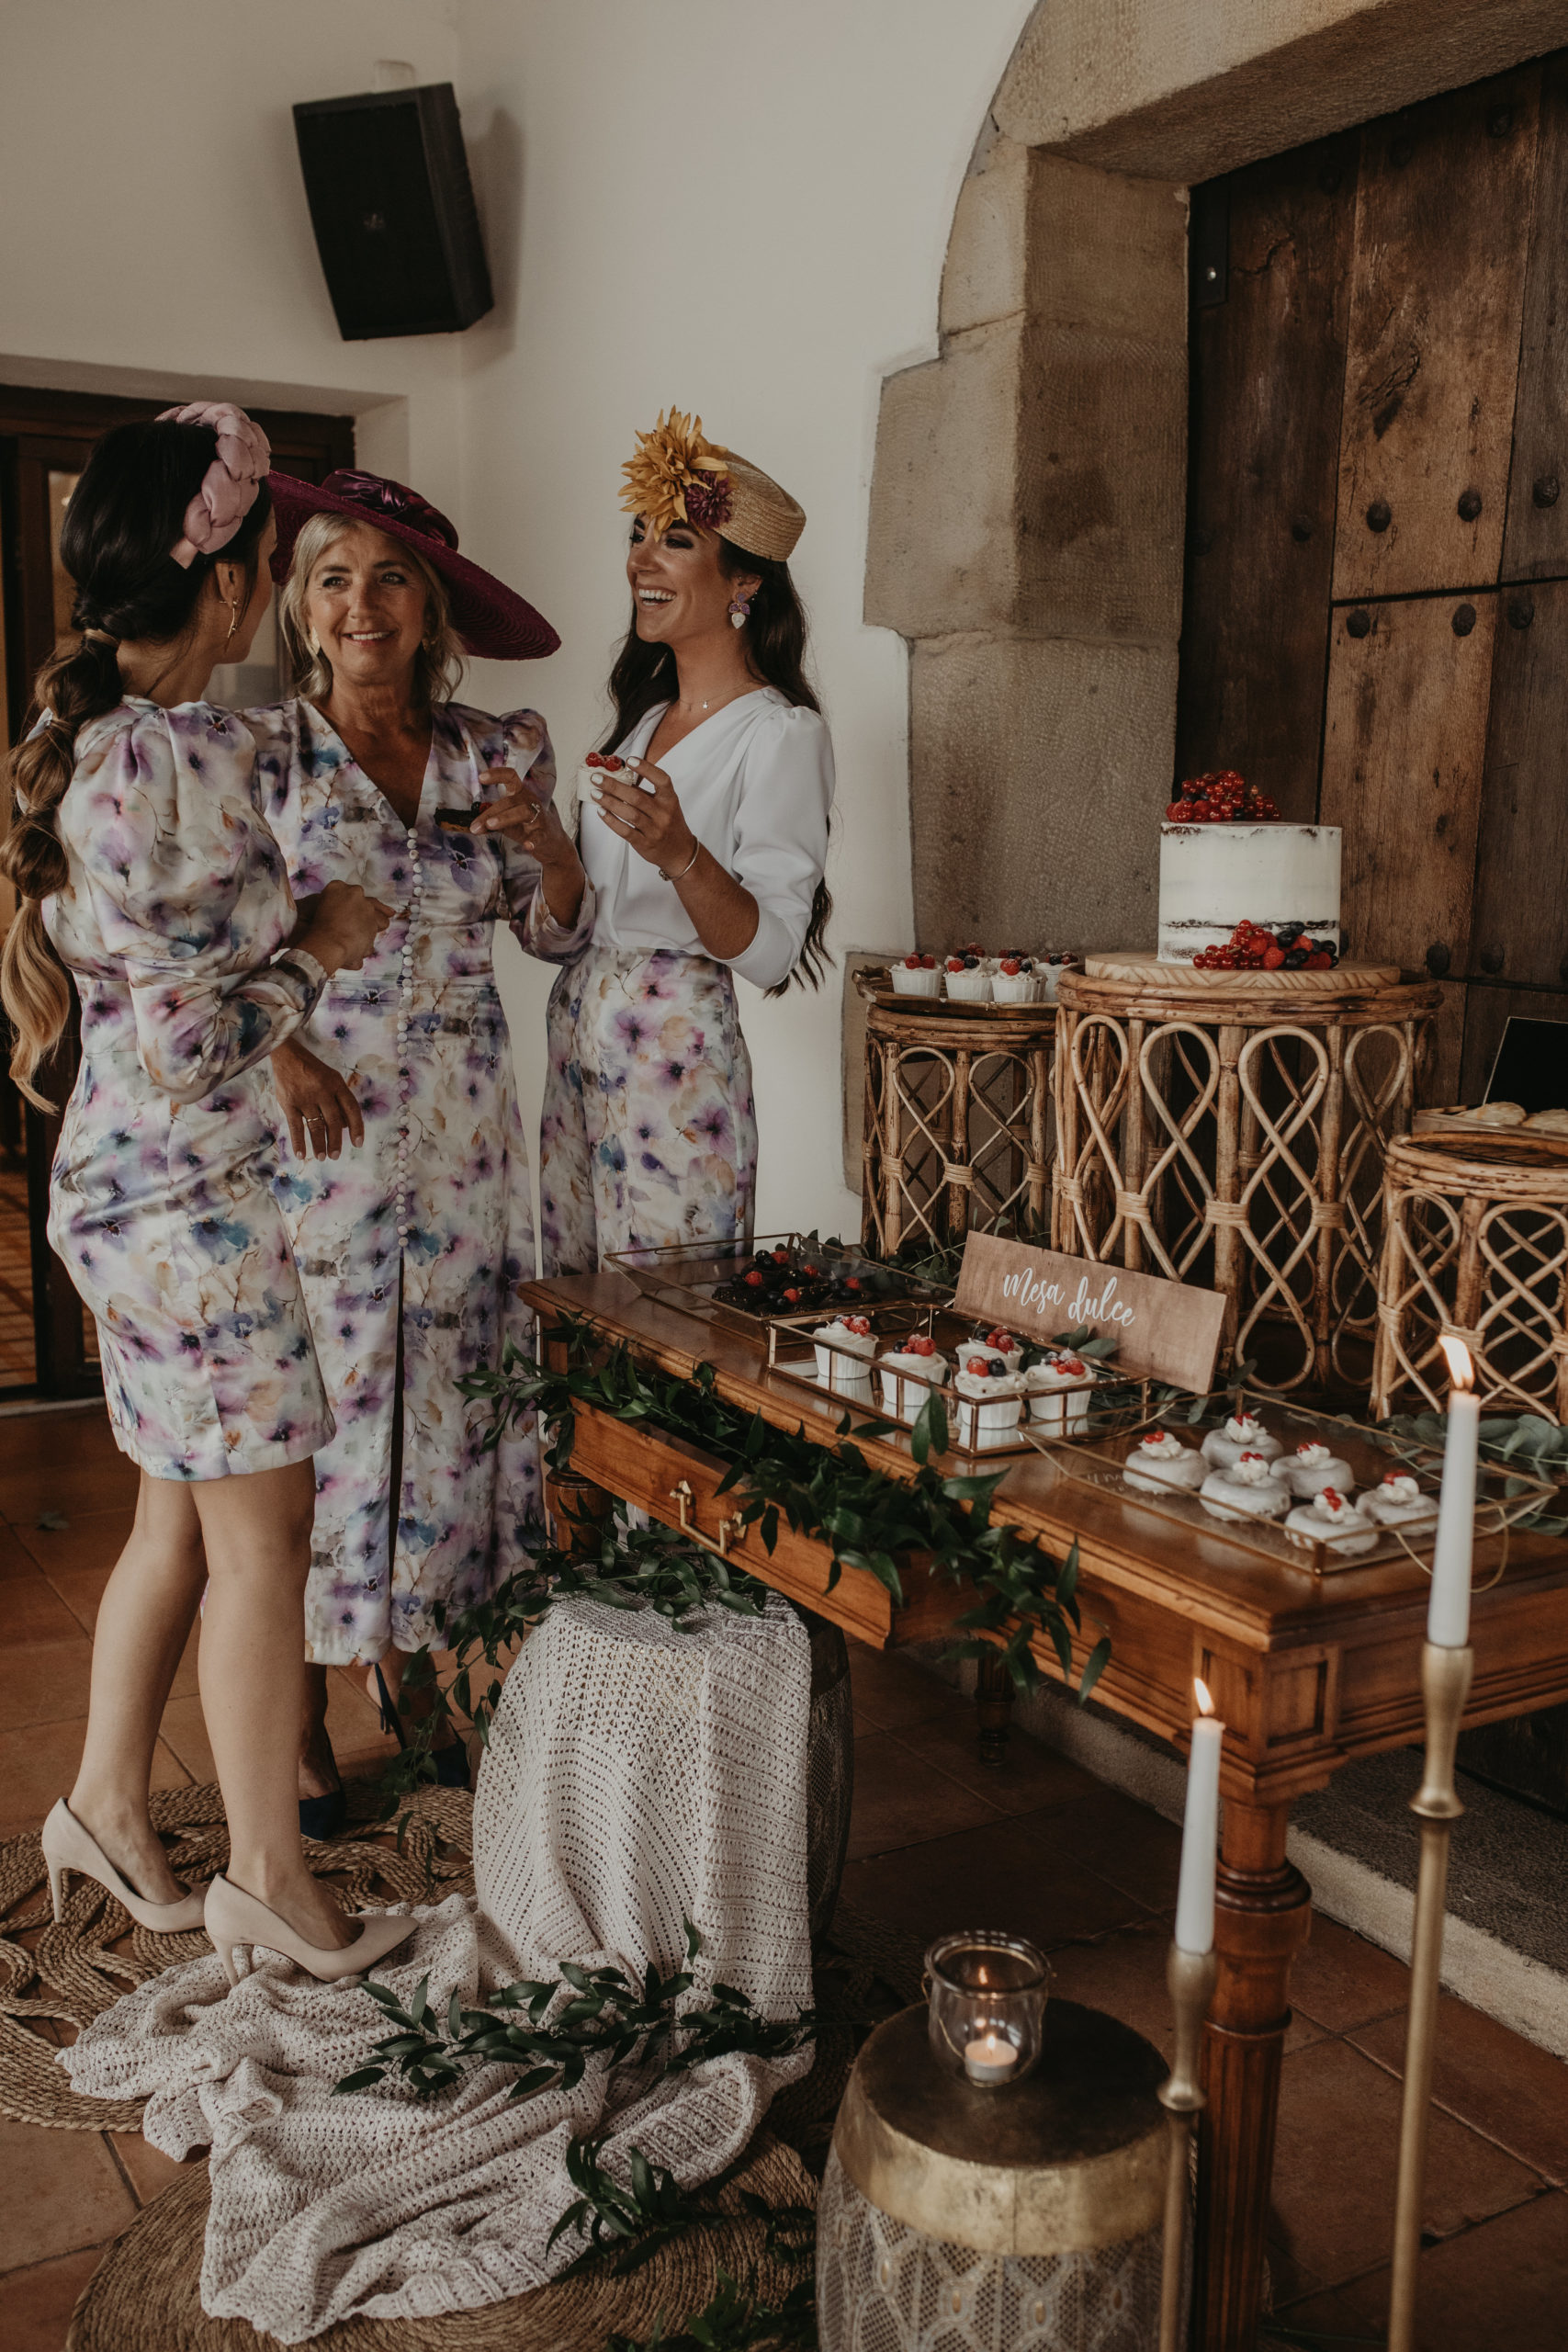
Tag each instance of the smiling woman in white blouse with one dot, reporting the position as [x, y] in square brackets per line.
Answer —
[705, 840]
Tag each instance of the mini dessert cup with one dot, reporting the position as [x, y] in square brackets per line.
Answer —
[1309, 1468]
[1244, 1489]
[918, 978]
[909, 1377]
[990, 1399]
[841, 1374]
[1023, 986]
[997, 1342]
[1330, 1520]
[1160, 1465]
[971, 984]
[1399, 1501]
[1243, 1434]
[1050, 969]
[1058, 1395]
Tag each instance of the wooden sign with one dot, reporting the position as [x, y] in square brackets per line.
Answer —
[1164, 1330]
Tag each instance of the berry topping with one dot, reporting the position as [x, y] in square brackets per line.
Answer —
[1000, 1339]
[955, 963]
[858, 1324]
[927, 963]
[754, 1279]
[978, 1365]
[594, 760]
[792, 1296]
[911, 963]
[1011, 967]
[971, 963]
[851, 1281]
[781, 1257]
[921, 1346]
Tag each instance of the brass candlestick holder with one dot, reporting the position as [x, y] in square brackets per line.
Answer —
[1445, 1685]
[1189, 1976]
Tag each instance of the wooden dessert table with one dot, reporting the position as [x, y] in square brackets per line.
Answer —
[1306, 1674]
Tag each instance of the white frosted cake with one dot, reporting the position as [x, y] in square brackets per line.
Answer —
[1214, 876]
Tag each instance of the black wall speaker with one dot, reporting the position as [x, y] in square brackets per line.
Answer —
[392, 208]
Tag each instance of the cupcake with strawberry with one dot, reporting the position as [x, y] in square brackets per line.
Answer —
[1016, 980]
[909, 1374]
[990, 1398]
[998, 1342]
[844, 1349]
[967, 974]
[916, 975]
[1057, 1385]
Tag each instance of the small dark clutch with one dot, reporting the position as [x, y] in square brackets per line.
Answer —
[457, 820]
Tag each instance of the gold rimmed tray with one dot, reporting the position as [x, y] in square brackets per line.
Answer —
[876, 987]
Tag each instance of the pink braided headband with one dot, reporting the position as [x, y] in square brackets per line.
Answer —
[229, 487]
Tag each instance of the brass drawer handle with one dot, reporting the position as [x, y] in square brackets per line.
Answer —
[683, 1499]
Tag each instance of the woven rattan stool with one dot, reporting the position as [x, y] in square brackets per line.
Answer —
[1228, 1128]
[1475, 1242]
[958, 1118]
[1024, 2219]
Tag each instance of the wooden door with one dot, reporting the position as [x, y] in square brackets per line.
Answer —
[45, 1341]
[1376, 627]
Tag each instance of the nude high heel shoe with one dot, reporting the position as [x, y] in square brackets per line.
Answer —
[235, 1920]
[68, 1847]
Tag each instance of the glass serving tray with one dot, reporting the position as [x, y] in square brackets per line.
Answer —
[688, 1274]
[846, 1377]
[1503, 1496]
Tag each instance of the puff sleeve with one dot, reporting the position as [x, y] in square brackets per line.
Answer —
[190, 894]
[521, 741]
[781, 838]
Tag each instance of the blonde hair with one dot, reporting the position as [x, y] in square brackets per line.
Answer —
[438, 663]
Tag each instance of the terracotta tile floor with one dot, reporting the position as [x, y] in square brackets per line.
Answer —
[1039, 1846]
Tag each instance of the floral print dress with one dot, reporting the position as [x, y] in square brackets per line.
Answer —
[161, 1201]
[414, 1243]
[650, 1133]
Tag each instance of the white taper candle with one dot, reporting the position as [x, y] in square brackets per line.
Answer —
[1448, 1611]
[1199, 1833]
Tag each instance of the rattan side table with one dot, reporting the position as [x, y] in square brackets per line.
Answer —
[1229, 1128]
[1475, 1243]
[958, 1117]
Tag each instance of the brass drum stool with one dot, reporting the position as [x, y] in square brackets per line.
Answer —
[1022, 2220]
[1475, 1242]
[1228, 1129]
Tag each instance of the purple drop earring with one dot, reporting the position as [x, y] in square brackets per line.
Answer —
[739, 607]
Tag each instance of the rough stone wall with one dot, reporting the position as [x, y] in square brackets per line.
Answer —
[1026, 537]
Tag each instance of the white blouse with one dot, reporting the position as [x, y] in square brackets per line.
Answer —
[755, 784]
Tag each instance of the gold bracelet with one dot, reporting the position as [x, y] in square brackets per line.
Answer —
[696, 852]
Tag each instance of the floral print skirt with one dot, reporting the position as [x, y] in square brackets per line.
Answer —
[649, 1135]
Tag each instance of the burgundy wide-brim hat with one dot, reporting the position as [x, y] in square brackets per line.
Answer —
[493, 621]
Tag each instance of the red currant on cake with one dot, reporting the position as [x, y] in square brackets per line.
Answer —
[920, 1345]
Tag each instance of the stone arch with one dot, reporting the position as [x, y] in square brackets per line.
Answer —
[1028, 501]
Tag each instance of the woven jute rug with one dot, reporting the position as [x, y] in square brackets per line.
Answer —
[144, 2295]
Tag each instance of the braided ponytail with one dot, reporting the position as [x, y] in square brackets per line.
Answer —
[125, 514]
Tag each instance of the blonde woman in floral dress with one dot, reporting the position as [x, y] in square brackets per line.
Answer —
[705, 846]
[405, 1185]
[138, 847]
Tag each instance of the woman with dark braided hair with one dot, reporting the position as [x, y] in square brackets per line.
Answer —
[703, 833]
[145, 869]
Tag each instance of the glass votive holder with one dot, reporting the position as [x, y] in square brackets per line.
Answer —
[985, 2018]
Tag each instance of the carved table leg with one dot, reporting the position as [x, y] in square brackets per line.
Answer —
[1262, 1914]
[993, 1706]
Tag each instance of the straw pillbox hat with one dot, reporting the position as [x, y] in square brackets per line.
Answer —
[676, 476]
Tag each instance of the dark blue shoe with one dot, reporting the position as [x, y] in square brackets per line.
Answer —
[322, 1816]
[452, 1766]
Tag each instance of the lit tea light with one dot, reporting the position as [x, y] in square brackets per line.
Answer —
[991, 2058]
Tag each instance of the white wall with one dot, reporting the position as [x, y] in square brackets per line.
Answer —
[726, 204]
[742, 209]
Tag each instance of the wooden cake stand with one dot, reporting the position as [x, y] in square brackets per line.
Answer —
[957, 1116]
[1228, 1129]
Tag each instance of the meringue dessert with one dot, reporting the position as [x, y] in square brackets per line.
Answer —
[1160, 1465]
[1311, 1467]
[1044, 1383]
[1246, 1489]
[990, 1399]
[902, 1397]
[1331, 1520]
[1399, 1501]
[1243, 1434]
[836, 1371]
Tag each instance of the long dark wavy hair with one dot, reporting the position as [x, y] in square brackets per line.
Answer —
[776, 647]
[125, 514]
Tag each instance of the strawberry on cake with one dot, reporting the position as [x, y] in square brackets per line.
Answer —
[838, 1364]
[909, 1374]
[1160, 1465]
[967, 976]
[1058, 1393]
[998, 1342]
[1332, 1519]
[1246, 1489]
[990, 1398]
[916, 975]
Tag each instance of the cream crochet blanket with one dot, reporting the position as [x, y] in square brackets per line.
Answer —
[636, 1777]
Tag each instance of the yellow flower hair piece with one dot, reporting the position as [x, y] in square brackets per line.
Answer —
[677, 477]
